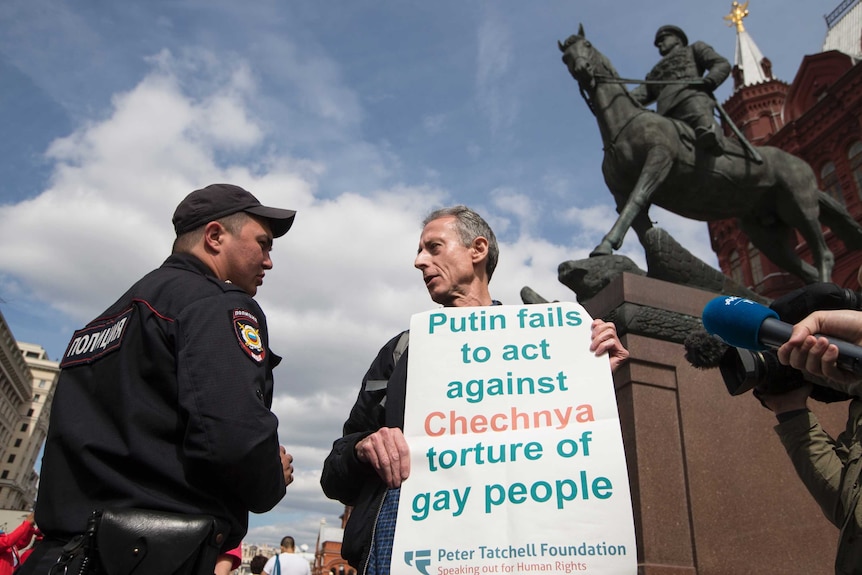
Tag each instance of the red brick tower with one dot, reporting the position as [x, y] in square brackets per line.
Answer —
[818, 118]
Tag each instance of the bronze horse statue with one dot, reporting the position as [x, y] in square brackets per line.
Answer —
[649, 159]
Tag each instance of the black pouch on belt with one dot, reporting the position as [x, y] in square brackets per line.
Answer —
[143, 542]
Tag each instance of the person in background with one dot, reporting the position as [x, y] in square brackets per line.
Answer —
[10, 543]
[37, 536]
[229, 562]
[257, 563]
[287, 562]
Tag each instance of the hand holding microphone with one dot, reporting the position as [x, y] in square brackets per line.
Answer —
[808, 350]
[746, 324]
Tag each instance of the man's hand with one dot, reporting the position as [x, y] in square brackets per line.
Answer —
[603, 339]
[787, 401]
[286, 465]
[805, 351]
[387, 452]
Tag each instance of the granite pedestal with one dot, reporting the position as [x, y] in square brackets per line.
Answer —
[713, 491]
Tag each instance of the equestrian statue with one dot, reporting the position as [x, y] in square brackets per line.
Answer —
[653, 159]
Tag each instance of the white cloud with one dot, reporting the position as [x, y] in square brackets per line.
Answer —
[114, 188]
[519, 205]
[591, 219]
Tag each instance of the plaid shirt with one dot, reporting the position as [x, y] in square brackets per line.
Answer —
[380, 559]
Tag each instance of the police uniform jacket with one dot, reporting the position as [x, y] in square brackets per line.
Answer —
[830, 469]
[163, 404]
[380, 404]
[684, 63]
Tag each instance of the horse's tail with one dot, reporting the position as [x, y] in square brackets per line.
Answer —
[839, 220]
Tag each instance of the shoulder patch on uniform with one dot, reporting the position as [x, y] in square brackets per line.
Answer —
[247, 330]
[95, 341]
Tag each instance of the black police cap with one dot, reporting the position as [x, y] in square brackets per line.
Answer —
[220, 200]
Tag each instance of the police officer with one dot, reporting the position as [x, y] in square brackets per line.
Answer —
[689, 96]
[163, 401]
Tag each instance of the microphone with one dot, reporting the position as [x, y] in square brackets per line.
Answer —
[704, 351]
[743, 323]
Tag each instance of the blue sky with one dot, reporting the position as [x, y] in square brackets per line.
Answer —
[363, 116]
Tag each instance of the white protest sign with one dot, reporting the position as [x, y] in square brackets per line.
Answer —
[517, 462]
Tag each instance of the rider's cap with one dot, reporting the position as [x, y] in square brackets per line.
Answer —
[670, 29]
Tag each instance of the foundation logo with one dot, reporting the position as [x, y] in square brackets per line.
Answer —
[422, 560]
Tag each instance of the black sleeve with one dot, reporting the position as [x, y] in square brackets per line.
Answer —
[224, 379]
[343, 474]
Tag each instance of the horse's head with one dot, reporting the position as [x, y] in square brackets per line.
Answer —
[580, 58]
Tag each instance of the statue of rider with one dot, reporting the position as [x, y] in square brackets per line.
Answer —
[691, 99]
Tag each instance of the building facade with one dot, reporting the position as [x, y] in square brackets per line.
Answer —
[27, 379]
[327, 553]
[817, 117]
[20, 460]
[15, 394]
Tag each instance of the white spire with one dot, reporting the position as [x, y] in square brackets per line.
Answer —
[750, 65]
[749, 60]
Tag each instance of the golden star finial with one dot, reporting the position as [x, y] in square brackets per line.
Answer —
[737, 13]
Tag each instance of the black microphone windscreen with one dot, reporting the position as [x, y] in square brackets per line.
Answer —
[703, 351]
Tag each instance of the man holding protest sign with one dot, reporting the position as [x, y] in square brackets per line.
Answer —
[457, 256]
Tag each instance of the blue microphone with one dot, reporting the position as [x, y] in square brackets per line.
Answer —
[743, 323]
